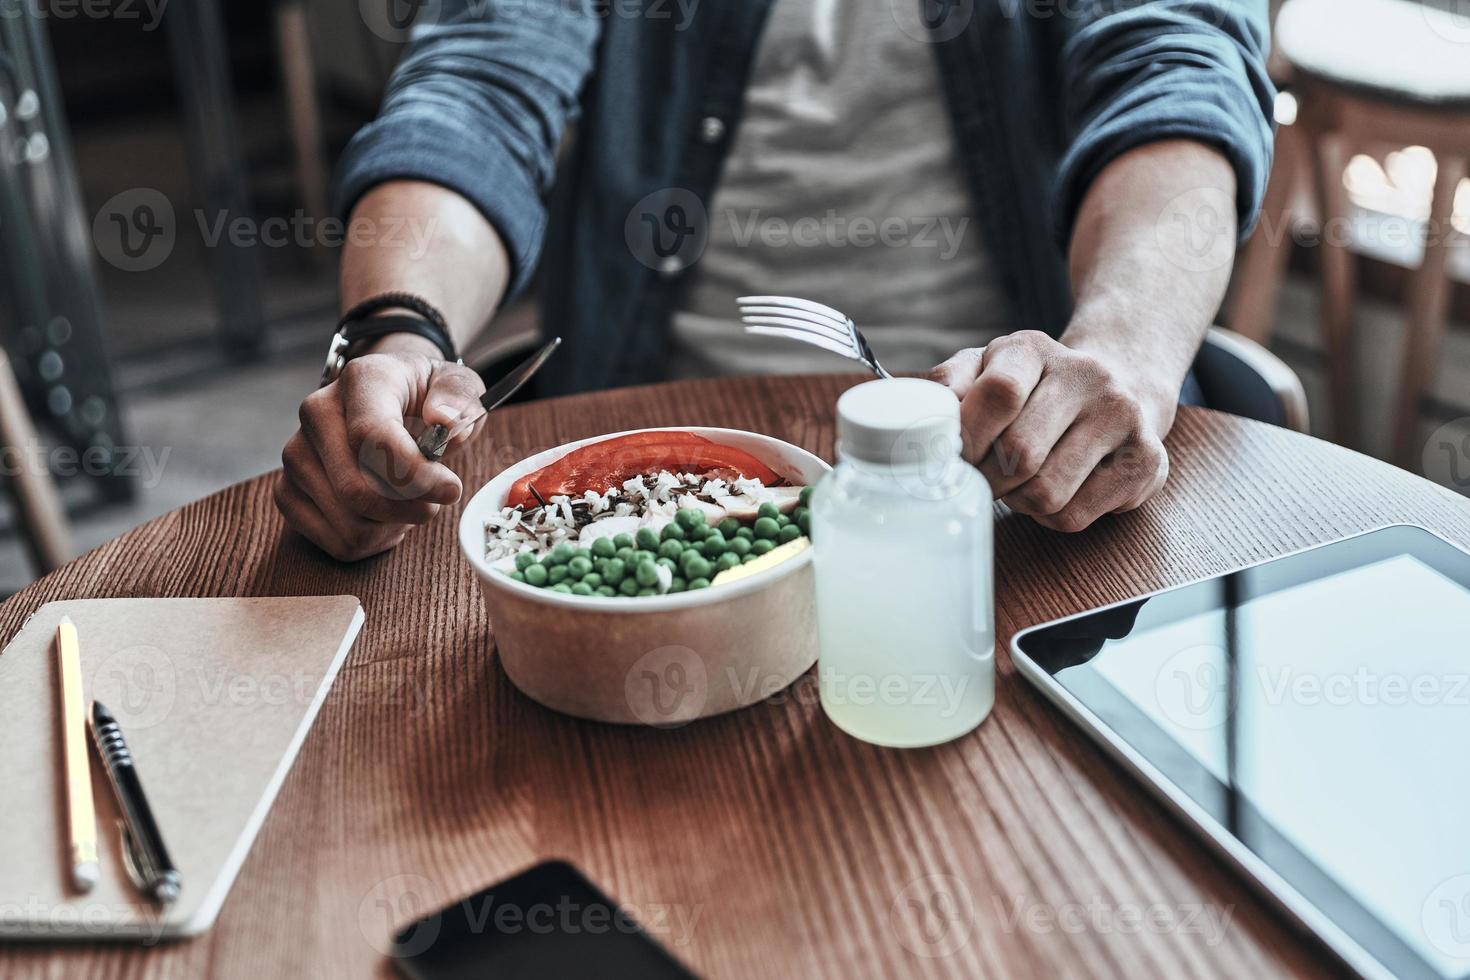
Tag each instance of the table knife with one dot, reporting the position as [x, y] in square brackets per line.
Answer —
[436, 438]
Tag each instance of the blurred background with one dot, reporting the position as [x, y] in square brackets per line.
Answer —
[167, 260]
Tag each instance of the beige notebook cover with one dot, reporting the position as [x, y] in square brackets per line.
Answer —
[215, 697]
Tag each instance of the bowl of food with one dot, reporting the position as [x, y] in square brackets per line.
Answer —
[652, 576]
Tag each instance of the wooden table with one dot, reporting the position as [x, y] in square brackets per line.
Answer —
[763, 843]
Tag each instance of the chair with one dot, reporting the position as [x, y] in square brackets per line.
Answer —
[38, 506]
[1365, 72]
[1239, 376]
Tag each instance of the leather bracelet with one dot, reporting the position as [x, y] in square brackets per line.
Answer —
[429, 314]
[361, 331]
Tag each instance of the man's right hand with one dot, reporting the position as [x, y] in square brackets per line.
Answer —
[354, 482]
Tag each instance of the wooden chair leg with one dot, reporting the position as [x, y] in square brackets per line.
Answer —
[1339, 284]
[42, 519]
[293, 44]
[1256, 292]
[1429, 291]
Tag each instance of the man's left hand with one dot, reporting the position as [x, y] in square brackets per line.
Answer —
[1060, 434]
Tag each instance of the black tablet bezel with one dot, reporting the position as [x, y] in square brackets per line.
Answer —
[1045, 652]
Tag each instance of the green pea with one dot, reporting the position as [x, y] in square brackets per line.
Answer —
[749, 558]
[584, 553]
[697, 567]
[524, 560]
[768, 510]
[745, 533]
[729, 526]
[627, 553]
[536, 575]
[624, 540]
[579, 566]
[739, 547]
[679, 584]
[714, 545]
[613, 570]
[672, 532]
[726, 561]
[762, 546]
[556, 573]
[766, 528]
[671, 549]
[789, 533]
[689, 518]
[699, 583]
[563, 553]
[592, 580]
[647, 590]
[646, 573]
[549, 559]
[628, 586]
[562, 587]
[805, 497]
[604, 548]
[668, 563]
[606, 590]
[517, 576]
[804, 521]
[581, 588]
[646, 538]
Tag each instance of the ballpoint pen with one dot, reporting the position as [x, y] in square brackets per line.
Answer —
[81, 817]
[436, 438]
[144, 855]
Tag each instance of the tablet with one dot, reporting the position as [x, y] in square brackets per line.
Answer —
[1311, 716]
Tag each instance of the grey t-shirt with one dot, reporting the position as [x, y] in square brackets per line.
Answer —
[843, 186]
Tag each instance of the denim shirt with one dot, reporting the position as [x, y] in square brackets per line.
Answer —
[1043, 94]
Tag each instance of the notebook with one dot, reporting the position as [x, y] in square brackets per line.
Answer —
[215, 697]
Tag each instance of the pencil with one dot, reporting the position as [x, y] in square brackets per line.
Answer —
[82, 817]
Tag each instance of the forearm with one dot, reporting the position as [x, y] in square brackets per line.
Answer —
[1150, 259]
[420, 238]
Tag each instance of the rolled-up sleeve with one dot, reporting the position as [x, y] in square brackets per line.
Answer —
[478, 105]
[1139, 72]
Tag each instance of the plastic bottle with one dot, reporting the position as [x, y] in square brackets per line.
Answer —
[902, 530]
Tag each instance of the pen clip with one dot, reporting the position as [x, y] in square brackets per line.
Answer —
[130, 857]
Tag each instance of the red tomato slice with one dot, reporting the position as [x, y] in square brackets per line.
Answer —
[608, 464]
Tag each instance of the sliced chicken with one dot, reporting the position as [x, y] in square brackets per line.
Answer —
[713, 513]
[743, 506]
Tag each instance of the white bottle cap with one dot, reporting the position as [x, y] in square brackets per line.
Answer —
[898, 421]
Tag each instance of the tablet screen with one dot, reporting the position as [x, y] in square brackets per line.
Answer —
[1319, 708]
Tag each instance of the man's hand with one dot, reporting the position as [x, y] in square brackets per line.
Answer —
[354, 481]
[1060, 434]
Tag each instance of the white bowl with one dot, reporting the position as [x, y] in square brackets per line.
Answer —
[657, 660]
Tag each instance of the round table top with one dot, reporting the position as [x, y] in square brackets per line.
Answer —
[764, 842]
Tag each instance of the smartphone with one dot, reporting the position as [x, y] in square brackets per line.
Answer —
[547, 921]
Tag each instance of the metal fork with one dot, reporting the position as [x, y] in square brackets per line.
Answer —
[811, 323]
